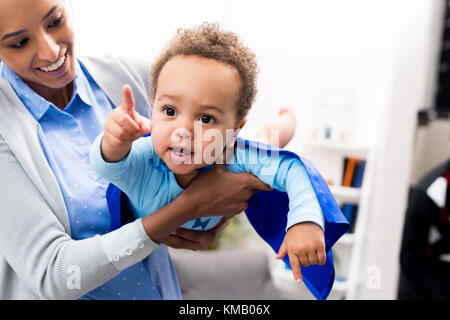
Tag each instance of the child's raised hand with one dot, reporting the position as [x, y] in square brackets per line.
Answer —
[305, 245]
[122, 127]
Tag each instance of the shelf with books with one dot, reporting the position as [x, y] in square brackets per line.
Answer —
[347, 168]
[342, 147]
[346, 194]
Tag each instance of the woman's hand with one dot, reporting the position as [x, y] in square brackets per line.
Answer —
[217, 192]
[220, 192]
[195, 240]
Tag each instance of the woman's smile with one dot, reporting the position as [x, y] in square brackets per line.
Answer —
[56, 69]
[54, 66]
[39, 46]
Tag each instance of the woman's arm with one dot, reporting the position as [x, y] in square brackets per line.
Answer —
[40, 250]
[217, 192]
[195, 240]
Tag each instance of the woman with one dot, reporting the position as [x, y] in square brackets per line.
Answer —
[55, 235]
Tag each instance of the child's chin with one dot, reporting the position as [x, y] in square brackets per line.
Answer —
[181, 168]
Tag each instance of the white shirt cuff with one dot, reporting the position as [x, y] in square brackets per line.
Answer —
[127, 245]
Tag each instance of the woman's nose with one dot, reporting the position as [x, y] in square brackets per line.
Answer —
[48, 49]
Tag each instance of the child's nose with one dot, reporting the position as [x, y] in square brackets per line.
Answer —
[181, 134]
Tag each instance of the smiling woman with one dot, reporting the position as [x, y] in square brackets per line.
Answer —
[38, 44]
[53, 215]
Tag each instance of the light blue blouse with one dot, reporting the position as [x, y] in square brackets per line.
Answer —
[66, 137]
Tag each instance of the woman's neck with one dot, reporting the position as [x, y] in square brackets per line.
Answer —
[59, 97]
[184, 180]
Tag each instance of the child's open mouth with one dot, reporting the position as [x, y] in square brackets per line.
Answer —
[180, 155]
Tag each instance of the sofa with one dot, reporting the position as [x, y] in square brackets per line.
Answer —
[224, 275]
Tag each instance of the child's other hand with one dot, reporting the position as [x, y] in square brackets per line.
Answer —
[122, 127]
[305, 245]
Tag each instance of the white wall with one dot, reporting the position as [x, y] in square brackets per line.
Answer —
[315, 54]
[136, 28]
[414, 34]
[369, 58]
[310, 52]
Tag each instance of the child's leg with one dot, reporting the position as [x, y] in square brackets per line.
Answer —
[279, 131]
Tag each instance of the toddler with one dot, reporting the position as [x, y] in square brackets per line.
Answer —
[202, 87]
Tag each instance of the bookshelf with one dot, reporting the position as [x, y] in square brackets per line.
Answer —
[350, 149]
[328, 157]
[346, 194]
[338, 163]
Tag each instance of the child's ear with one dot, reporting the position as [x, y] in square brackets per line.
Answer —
[241, 124]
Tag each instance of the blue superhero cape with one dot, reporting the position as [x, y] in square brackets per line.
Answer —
[267, 212]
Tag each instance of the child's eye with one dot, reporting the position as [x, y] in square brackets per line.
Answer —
[169, 111]
[55, 22]
[207, 119]
[19, 44]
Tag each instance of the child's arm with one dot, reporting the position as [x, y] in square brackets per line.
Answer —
[279, 132]
[122, 162]
[123, 126]
[304, 241]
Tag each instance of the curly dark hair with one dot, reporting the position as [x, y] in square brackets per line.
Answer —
[208, 41]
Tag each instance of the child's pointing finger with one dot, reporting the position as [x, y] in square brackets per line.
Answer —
[295, 266]
[128, 101]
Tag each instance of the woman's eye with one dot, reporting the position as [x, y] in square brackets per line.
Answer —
[19, 44]
[169, 111]
[206, 119]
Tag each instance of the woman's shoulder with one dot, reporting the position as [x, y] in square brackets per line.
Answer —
[110, 62]
[112, 72]
[118, 67]
[19, 120]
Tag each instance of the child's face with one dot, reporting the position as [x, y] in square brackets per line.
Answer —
[194, 92]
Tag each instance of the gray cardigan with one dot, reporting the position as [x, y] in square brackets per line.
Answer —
[38, 258]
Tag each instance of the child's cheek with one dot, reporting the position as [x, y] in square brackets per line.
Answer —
[212, 150]
[157, 141]
[158, 131]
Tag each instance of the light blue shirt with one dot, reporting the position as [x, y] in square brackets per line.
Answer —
[66, 137]
[148, 183]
